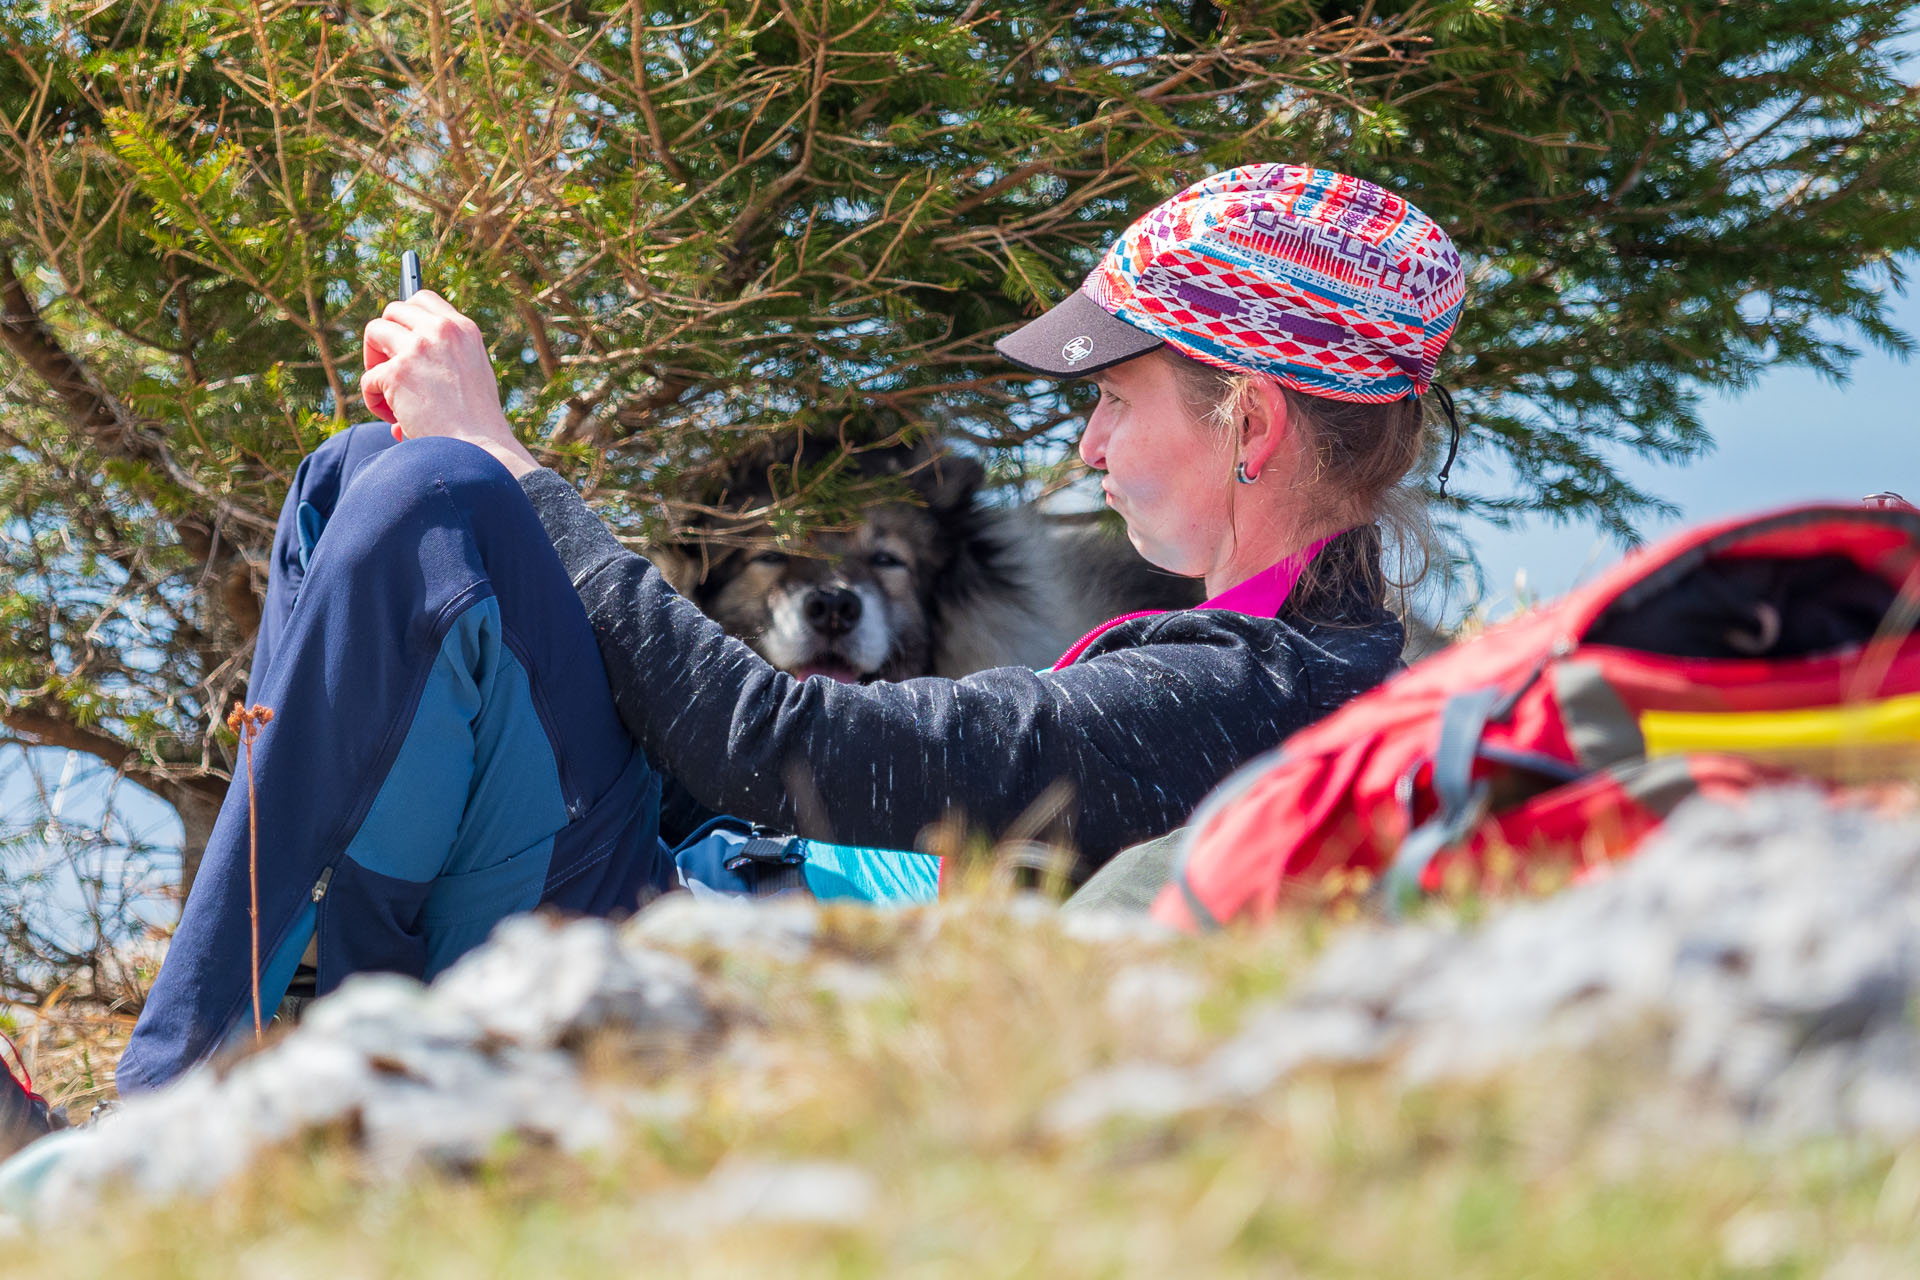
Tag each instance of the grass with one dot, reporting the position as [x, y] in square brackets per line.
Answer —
[69, 1047]
[923, 1050]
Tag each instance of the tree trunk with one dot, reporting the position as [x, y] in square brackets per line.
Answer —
[197, 812]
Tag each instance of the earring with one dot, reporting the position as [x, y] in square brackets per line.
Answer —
[1240, 474]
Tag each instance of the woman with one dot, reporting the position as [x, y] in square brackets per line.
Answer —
[446, 750]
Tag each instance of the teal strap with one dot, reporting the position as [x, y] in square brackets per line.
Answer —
[881, 876]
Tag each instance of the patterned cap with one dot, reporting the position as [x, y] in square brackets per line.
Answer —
[1328, 283]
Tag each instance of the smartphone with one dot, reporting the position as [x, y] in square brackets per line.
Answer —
[409, 275]
[410, 284]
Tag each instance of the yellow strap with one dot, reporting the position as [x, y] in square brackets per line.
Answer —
[1888, 722]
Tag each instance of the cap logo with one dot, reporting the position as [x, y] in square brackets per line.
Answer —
[1077, 350]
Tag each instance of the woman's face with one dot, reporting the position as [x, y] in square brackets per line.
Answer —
[1167, 474]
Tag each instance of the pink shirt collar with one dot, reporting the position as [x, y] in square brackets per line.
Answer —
[1264, 593]
[1260, 596]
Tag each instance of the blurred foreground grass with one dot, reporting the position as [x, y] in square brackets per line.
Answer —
[922, 1049]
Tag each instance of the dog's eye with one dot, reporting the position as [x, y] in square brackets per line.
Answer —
[886, 560]
[770, 557]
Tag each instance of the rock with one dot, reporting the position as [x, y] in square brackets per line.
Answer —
[412, 1074]
[1110, 928]
[801, 1192]
[1883, 1096]
[1164, 993]
[1142, 1090]
[782, 927]
[535, 984]
[1285, 1038]
[1777, 942]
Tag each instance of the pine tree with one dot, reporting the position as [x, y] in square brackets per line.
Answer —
[687, 226]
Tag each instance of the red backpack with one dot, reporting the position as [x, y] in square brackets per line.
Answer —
[1754, 649]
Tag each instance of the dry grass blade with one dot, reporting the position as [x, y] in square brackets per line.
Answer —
[247, 722]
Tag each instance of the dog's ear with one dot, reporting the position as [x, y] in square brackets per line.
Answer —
[948, 481]
[680, 564]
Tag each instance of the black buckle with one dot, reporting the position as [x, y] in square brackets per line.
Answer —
[770, 864]
[765, 853]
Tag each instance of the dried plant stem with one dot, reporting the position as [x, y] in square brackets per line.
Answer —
[247, 722]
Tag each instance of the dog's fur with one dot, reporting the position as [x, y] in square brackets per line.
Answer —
[937, 584]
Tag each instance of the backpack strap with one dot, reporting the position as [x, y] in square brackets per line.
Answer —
[1462, 721]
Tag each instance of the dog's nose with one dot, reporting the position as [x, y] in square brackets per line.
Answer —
[832, 611]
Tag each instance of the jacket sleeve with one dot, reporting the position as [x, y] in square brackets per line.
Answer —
[1139, 734]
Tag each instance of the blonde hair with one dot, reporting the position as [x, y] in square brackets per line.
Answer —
[1360, 456]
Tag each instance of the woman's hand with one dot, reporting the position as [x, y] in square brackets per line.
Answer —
[428, 374]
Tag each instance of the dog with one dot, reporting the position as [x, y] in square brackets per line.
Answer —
[935, 581]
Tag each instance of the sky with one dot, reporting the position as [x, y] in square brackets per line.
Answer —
[1793, 437]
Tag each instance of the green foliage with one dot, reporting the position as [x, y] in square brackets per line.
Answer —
[685, 226]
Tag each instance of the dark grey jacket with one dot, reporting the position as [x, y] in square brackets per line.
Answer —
[1150, 719]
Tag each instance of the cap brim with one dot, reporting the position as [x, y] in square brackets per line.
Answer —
[1074, 339]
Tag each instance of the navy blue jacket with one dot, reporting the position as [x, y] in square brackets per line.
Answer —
[1155, 714]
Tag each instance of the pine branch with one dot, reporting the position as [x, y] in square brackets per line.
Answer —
[90, 409]
[39, 727]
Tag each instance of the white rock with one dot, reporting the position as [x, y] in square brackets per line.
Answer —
[1147, 1090]
[1777, 942]
[418, 1074]
[804, 1192]
[1284, 1039]
[781, 927]
[1154, 993]
[1113, 928]
[544, 981]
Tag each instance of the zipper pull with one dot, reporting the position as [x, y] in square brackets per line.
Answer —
[320, 885]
